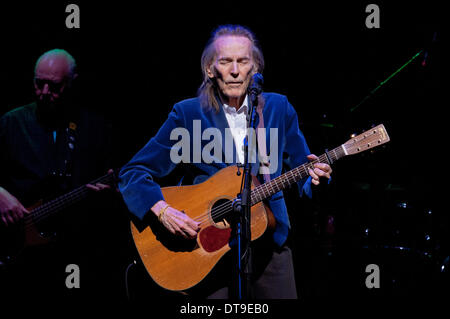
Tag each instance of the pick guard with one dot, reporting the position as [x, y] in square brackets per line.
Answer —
[213, 238]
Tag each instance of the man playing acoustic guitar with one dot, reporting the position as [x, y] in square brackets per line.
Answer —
[229, 61]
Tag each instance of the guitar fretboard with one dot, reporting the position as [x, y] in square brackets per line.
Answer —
[66, 200]
[294, 175]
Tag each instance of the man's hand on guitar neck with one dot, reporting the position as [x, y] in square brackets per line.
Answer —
[178, 223]
[97, 187]
[11, 210]
[320, 170]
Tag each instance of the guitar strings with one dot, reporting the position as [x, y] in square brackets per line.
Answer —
[62, 200]
[226, 208]
[50, 207]
[217, 212]
[296, 174]
[43, 211]
[279, 181]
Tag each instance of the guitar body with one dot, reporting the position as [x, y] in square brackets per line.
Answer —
[14, 239]
[178, 263]
[38, 228]
[31, 232]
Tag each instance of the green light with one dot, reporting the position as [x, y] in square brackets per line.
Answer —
[385, 81]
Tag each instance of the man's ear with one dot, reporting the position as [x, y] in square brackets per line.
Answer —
[210, 72]
[254, 69]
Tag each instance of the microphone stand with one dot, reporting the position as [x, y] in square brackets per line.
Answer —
[243, 226]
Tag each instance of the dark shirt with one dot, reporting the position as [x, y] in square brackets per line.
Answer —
[30, 154]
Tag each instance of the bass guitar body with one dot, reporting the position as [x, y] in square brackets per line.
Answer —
[179, 264]
[38, 228]
[14, 239]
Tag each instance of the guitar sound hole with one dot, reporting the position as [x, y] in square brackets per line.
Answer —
[221, 213]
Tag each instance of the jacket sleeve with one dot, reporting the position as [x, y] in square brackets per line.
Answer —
[136, 179]
[296, 149]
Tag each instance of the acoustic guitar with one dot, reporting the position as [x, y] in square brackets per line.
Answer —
[178, 264]
[33, 231]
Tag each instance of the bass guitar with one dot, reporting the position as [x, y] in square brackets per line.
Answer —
[30, 231]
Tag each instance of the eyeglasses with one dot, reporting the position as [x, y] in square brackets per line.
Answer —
[52, 86]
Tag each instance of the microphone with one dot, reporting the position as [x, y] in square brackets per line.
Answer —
[256, 84]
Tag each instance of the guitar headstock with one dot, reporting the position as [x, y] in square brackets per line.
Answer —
[367, 140]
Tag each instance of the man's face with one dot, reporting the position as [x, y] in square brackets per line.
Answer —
[51, 80]
[232, 67]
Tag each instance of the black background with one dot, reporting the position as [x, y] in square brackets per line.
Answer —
[135, 61]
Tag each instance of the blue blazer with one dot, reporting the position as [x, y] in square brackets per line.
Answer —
[136, 178]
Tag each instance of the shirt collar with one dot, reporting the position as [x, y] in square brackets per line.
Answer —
[231, 110]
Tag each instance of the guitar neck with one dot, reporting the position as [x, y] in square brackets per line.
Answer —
[374, 137]
[266, 190]
[68, 199]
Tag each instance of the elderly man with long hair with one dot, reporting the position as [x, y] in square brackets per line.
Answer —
[230, 59]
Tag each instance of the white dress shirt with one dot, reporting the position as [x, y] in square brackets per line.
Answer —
[237, 121]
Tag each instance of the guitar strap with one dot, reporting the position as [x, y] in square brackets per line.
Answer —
[71, 142]
[261, 138]
[64, 168]
[67, 166]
